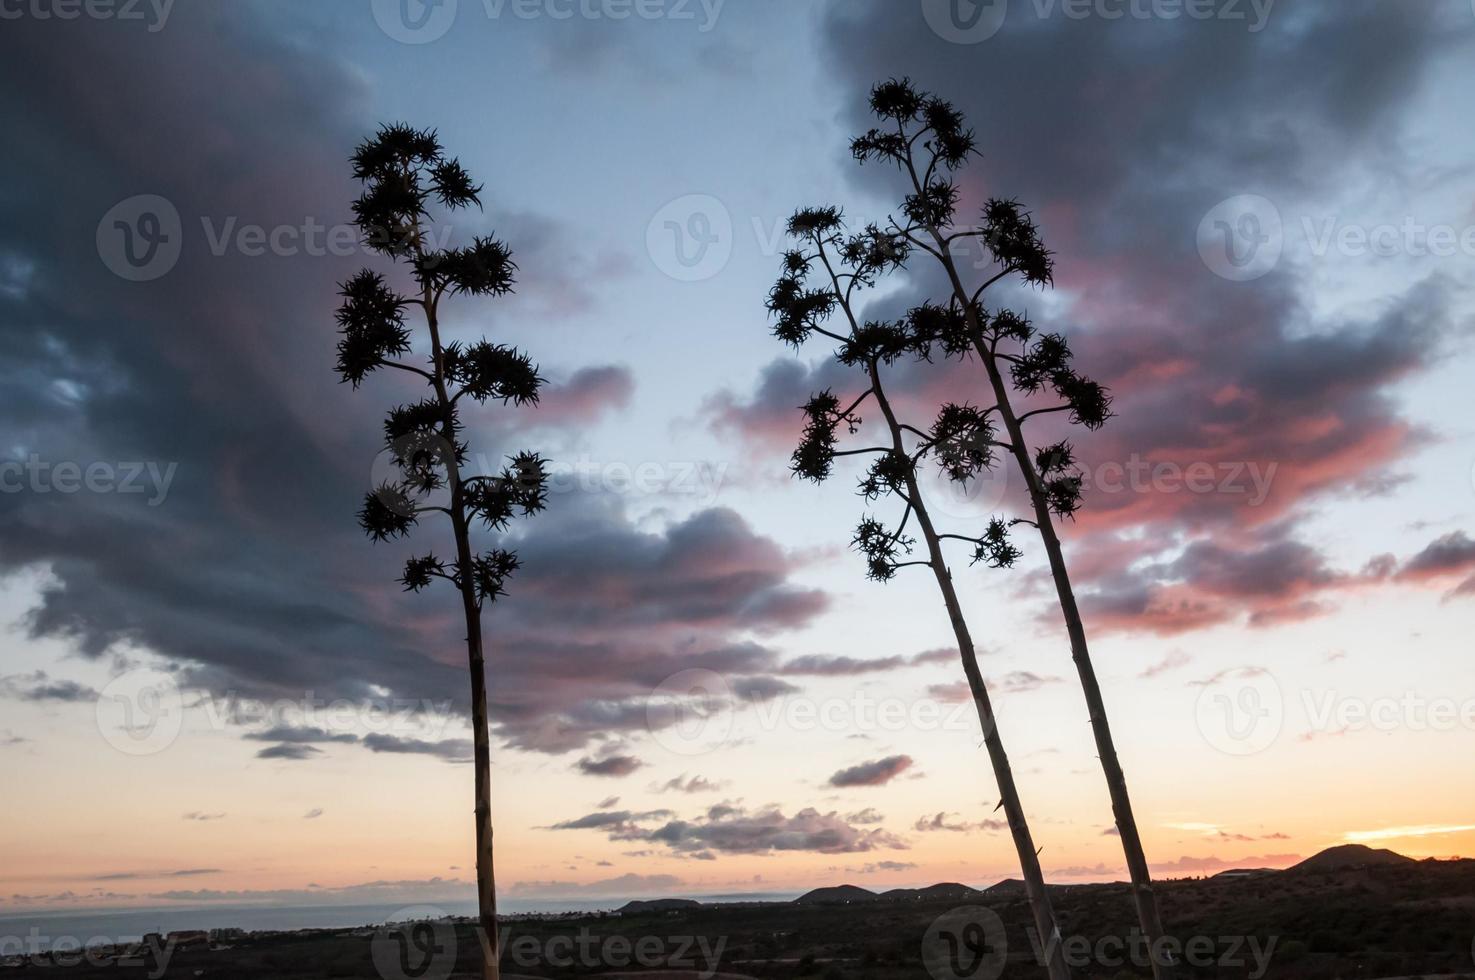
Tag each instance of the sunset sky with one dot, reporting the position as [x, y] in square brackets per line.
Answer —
[1276, 559]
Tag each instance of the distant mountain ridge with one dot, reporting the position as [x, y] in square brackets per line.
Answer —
[1344, 857]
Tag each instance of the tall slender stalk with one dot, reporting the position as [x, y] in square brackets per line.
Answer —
[403, 169]
[1043, 364]
[801, 312]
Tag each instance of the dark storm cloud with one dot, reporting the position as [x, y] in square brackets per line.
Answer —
[247, 566]
[1121, 135]
[876, 773]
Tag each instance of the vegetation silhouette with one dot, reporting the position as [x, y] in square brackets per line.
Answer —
[403, 169]
[925, 137]
[820, 281]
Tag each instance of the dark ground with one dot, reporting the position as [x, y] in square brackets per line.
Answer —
[1372, 922]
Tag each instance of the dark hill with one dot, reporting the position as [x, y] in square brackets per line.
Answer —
[945, 892]
[660, 905]
[1350, 856]
[838, 895]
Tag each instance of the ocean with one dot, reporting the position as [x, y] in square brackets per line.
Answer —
[39, 931]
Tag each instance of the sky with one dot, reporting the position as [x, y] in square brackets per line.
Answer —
[213, 691]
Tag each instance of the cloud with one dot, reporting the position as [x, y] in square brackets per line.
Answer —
[1210, 864]
[1399, 833]
[841, 666]
[693, 784]
[458, 750]
[954, 823]
[625, 885]
[200, 817]
[313, 814]
[1023, 681]
[876, 773]
[39, 686]
[290, 752]
[882, 866]
[1271, 399]
[146, 875]
[607, 604]
[612, 819]
[728, 828]
[367, 893]
[870, 815]
[299, 735]
[610, 766]
[1172, 661]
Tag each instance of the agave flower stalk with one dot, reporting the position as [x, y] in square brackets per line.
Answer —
[403, 170]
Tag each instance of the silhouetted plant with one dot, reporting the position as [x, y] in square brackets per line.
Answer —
[403, 170]
[926, 138]
[818, 285]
